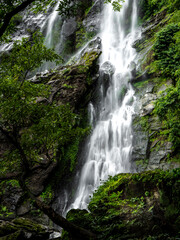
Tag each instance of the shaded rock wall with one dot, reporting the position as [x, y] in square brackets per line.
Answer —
[150, 149]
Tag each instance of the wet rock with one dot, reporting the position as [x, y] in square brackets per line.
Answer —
[138, 44]
[24, 208]
[158, 154]
[107, 68]
[163, 87]
[150, 26]
[93, 46]
[106, 72]
[69, 27]
[132, 68]
[154, 123]
[92, 21]
[140, 78]
[38, 177]
[140, 142]
[23, 228]
[10, 198]
[147, 109]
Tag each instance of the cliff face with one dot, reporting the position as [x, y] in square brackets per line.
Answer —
[153, 147]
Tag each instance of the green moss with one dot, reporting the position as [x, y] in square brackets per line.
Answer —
[48, 194]
[144, 121]
[124, 206]
[28, 224]
[141, 84]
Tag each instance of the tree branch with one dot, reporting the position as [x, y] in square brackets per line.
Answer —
[9, 15]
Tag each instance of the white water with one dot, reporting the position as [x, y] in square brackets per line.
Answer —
[110, 146]
[51, 21]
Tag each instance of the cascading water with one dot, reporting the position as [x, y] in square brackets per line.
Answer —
[110, 145]
[50, 25]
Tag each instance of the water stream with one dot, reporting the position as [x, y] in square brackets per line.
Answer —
[110, 146]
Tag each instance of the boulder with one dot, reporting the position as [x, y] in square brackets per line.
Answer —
[38, 177]
[23, 228]
[107, 68]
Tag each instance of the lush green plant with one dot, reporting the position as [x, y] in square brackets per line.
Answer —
[151, 7]
[167, 58]
[167, 107]
[47, 194]
[166, 51]
[115, 3]
[31, 126]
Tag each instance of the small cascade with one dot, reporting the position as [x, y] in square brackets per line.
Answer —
[50, 26]
[110, 145]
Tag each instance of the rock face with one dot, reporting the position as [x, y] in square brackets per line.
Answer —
[134, 206]
[92, 21]
[69, 27]
[150, 149]
[73, 82]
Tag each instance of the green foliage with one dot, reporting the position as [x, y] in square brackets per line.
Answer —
[69, 8]
[167, 107]
[70, 154]
[36, 127]
[26, 56]
[78, 8]
[152, 7]
[166, 51]
[167, 58]
[4, 212]
[67, 86]
[47, 194]
[116, 4]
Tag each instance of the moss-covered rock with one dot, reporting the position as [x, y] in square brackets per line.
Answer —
[152, 147]
[23, 228]
[134, 206]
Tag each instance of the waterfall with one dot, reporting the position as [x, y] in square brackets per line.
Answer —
[110, 146]
[51, 21]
